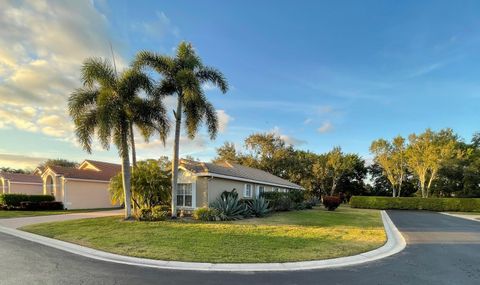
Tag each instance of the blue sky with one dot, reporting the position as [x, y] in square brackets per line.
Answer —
[317, 73]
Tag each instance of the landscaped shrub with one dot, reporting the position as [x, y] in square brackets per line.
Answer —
[416, 203]
[229, 207]
[284, 203]
[156, 213]
[258, 207]
[205, 214]
[41, 206]
[14, 200]
[279, 201]
[300, 206]
[297, 196]
[331, 202]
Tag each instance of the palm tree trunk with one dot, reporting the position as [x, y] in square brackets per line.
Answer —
[126, 175]
[134, 164]
[175, 161]
[132, 142]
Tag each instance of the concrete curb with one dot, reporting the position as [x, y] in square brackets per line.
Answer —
[466, 217]
[395, 243]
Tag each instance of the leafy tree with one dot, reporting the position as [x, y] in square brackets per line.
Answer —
[103, 106]
[391, 157]
[150, 185]
[183, 76]
[227, 152]
[13, 170]
[382, 186]
[426, 154]
[58, 162]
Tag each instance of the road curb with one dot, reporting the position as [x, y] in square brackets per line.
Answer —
[465, 217]
[395, 243]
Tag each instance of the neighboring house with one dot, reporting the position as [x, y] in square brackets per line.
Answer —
[82, 187]
[16, 183]
[201, 183]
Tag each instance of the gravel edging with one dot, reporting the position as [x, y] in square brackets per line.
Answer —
[395, 243]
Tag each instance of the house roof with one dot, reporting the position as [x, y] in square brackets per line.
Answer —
[105, 171]
[233, 170]
[19, 177]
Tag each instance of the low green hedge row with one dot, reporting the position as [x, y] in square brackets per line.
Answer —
[14, 200]
[417, 203]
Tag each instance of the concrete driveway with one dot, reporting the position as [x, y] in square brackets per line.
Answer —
[25, 221]
[441, 250]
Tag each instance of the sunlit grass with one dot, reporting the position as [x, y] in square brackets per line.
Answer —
[290, 236]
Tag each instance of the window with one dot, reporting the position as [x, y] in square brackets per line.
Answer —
[260, 190]
[275, 189]
[247, 192]
[184, 195]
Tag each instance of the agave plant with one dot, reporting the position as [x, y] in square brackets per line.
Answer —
[229, 207]
[259, 207]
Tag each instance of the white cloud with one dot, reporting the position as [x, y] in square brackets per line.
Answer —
[286, 138]
[223, 120]
[307, 121]
[155, 148]
[19, 161]
[42, 46]
[159, 28]
[325, 127]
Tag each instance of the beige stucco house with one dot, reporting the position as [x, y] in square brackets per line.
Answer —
[82, 187]
[16, 183]
[200, 183]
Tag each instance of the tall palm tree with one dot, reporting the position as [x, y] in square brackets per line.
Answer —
[183, 76]
[105, 106]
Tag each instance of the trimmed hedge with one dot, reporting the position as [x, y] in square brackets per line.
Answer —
[417, 203]
[15, 200]
[41, 206]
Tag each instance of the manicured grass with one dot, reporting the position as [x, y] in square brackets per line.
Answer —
[291, 236]
[21, 214]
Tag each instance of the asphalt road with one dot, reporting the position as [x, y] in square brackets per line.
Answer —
[440, 250]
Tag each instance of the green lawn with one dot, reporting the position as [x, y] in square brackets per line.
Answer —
[21, 214]
[281, 237]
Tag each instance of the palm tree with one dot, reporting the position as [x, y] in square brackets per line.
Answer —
[183, 76]
[106, 105]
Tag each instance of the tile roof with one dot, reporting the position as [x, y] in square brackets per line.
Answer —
[19, 177]
[236, 171]
[107, 171]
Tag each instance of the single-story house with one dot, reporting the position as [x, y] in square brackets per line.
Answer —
[200, 183]
[17, 183]
[82, 187]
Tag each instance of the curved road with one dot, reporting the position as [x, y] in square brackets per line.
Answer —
[440, 250]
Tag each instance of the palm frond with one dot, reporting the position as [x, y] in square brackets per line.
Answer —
[96, 70]
[85, 128]
[160, 63]
[213, 75]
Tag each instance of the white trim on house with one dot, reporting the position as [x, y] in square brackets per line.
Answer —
[245, 190]
[86, 180]
[208, 174]
[28, 183]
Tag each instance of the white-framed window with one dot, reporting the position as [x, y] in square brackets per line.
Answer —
[184, 195]
[260, 190]
[275, 189]
[247, 191]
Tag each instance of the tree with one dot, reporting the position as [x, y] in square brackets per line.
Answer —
[58, 162]
[13, 170]
[227, 152]
[427, 153]
[269, 152]
[150, 185]
[183, 76]
[103, 106]
[391, 157]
